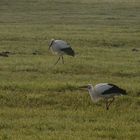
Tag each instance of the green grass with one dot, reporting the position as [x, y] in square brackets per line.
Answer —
[42, 101]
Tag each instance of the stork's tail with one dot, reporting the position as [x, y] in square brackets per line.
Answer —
[123, 92]
[68, 51]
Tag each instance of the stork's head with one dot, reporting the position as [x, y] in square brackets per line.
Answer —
[89, 87]
[51, 42]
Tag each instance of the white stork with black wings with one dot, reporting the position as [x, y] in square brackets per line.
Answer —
[104, 91]
[60, 47]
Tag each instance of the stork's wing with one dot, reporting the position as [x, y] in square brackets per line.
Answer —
[61, 44]
[102, 87]
[115, 89]
[108, 89]
[68, 51]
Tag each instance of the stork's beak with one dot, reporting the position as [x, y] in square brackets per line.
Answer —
[83, 87]
[49, 47]
[50, 44]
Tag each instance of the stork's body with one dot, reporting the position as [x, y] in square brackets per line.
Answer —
[104, 91]
[60, 48]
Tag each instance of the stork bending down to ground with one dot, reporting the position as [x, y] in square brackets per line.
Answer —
[104, 91]
[60, 47]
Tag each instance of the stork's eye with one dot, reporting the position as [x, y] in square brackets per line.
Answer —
[89, 87]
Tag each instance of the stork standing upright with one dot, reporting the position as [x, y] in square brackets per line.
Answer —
[104, 91]
[60, 47]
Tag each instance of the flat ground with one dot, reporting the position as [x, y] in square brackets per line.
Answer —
[39, 101]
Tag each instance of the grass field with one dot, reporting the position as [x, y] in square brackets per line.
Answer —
[39, 101]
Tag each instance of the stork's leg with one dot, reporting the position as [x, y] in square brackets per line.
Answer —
[107, 106]
[111, 101]
[62, 59]
[57, 61]
[108, 103]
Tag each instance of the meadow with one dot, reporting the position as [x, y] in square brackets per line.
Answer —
[40, 101]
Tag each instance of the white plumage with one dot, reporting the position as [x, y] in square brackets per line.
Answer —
[60, 47]
[104, 91]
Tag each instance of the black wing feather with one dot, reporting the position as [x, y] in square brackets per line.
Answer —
[114, 89]
[68, 51]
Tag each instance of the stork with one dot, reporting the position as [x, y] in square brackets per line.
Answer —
[104, 91]
[60, 47]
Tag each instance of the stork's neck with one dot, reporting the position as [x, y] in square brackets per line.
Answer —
[93, 95]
